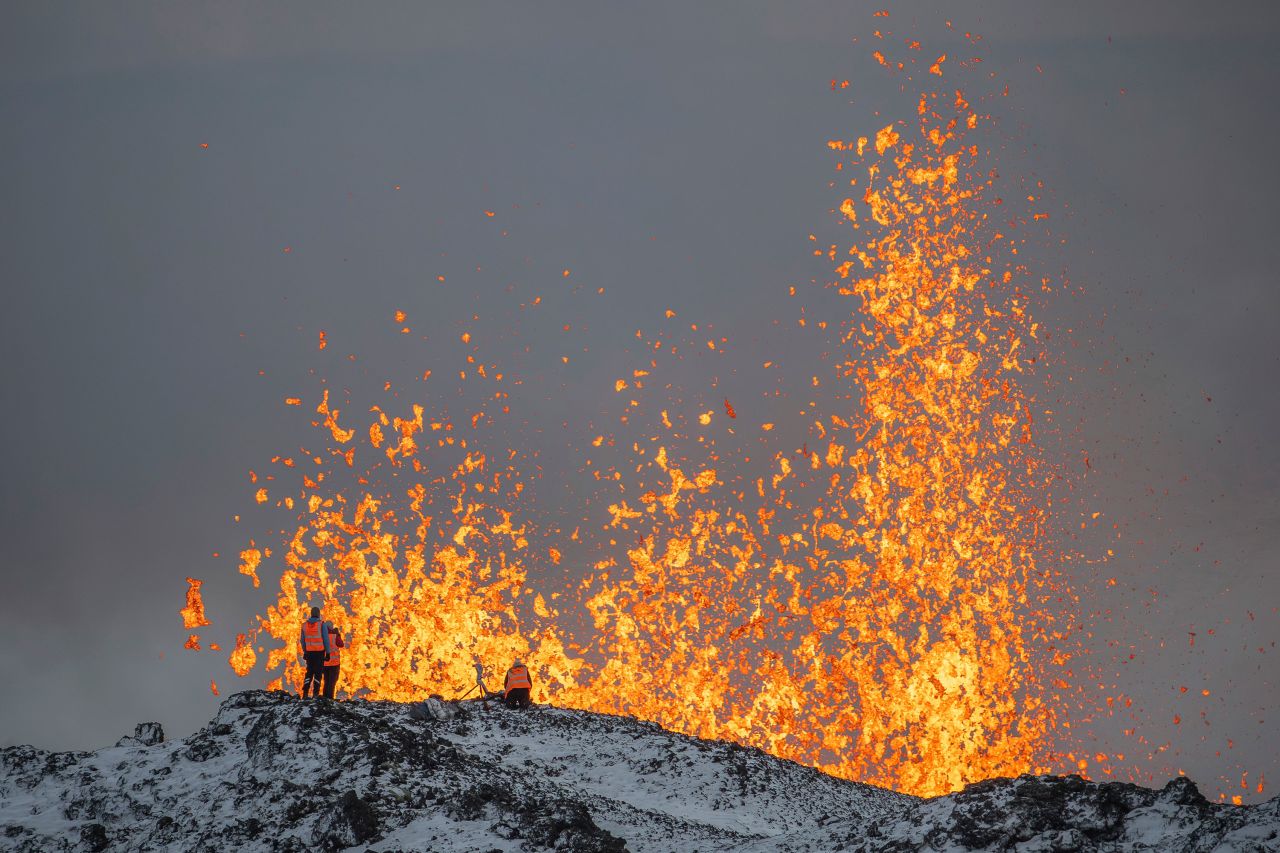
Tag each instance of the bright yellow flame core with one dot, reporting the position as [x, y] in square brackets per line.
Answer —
[886, 636]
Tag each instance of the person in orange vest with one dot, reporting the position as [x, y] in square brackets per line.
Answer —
[517, 686]
[314, 643]
[333, 662]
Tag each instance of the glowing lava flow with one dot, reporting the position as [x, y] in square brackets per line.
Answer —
[885, 632]
[939, 492]
[882, 625]
[422, 583]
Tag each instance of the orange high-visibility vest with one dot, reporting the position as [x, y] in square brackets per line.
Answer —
[312, 641]
[335, 643]
[518, 676]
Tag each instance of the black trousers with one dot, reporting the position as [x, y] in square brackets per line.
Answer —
[331, 680]
[517, 697]
[315, 673]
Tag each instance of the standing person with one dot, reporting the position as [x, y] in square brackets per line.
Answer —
[517, 686]
[314, 642]
[333, 663]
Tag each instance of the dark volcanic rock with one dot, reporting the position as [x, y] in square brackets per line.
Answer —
[351, 821]
[148, 734]
[273, 773]
[564, 825]
[93, 837]
[1047, 813]
[144, 734]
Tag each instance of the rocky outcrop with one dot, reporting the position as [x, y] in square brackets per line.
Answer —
[144, 734]
[1041, 814]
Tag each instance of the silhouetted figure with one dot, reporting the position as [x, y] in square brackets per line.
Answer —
[333, 663]
[517, 686]
[314, 642]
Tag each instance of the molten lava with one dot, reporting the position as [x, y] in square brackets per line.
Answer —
[868, 608]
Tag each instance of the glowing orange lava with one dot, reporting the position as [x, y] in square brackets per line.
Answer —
[868, 608]
[193, 613]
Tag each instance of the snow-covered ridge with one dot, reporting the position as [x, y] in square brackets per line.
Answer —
[271, 772]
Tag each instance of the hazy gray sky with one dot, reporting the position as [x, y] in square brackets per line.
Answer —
[673, 154]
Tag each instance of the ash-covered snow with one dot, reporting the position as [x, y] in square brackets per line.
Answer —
[272, 772]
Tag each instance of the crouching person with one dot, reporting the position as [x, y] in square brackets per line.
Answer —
[517, 686]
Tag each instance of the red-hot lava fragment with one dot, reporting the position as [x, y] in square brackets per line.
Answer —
[193, 613]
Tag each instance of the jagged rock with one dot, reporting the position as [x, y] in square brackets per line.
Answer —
[144, 734]
[1046, 813]
[93, 837]
[564, 825]
[261, 743]
[271, 772]
[148, 734]
[349, 822]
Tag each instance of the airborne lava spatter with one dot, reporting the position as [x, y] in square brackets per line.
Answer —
[940, 496]
[869, 607]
